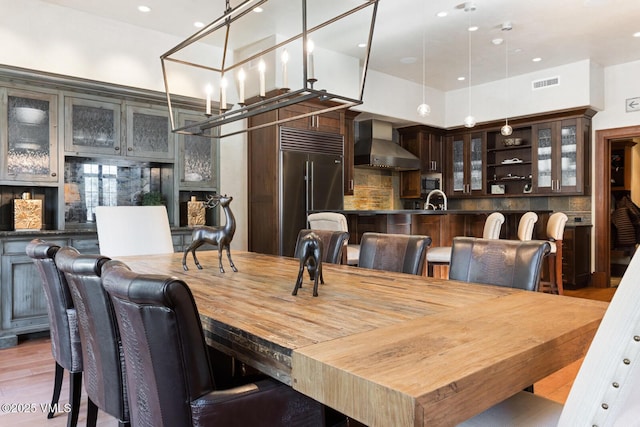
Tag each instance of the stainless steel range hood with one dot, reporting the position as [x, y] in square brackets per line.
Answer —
[375, 148]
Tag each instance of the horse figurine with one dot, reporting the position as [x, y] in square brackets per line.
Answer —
[310, 253]
[220, 236]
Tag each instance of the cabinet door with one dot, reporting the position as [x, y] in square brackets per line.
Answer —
[198, 158]
[328, 122]
[92, 127]
[435, 154]
[149, 134]
[24, 305]
[457, 182]
[476, 164]
[544, 176]
[29, 136]
[569, 153]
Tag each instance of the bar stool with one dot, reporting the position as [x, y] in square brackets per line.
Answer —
[442, 255]
[555, 231]
[335, 221]
[526, 226]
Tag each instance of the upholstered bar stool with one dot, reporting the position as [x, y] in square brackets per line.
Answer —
[555, 232]
[335, 221]
[441, 255]
[526, 225]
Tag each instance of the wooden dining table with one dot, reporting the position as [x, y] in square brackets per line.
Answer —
[386, 349]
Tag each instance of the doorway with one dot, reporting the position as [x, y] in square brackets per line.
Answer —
[603, 203]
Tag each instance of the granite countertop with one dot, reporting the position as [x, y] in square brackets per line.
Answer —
[431, 212]
[74, 231]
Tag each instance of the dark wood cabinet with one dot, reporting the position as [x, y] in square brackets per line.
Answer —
[427, 144]
[349, 142]
[576, 256]
[509, 163]
[331, 121]
[465, 166]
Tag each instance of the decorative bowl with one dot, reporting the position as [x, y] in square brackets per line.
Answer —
[512, 141]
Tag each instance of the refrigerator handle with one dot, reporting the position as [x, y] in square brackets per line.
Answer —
[307, 186]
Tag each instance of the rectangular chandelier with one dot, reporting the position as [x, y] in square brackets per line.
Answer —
[262, 55]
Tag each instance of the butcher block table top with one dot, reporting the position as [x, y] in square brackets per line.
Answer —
[386, 349]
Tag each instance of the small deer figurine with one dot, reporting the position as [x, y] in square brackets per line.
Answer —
[311, 257]
[220, 236]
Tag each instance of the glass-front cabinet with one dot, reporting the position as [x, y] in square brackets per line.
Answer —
[197, 157]
[558, 150]
[149, 133]
[28, 136]
[92, 126]
[466, 164]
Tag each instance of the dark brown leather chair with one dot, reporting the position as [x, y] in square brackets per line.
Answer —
[101, 346]
[63, 326]
[403, 253]
[167, 369]
[333, 243]
[501, 262]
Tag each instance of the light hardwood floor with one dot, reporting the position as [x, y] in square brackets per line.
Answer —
[26, 380]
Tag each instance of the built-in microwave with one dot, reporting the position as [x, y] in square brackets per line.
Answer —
[430, 183]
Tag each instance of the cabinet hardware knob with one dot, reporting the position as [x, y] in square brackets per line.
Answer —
[54, 174]
[117, 148]
[129, 149]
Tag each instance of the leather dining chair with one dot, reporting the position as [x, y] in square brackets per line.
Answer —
[168, 372]
[441, 255]
[63, 326]
[133, 230]
[332, 244]
[526, 226]
[606, 388]
[99, 334]
[500, 262]
[337, 222]
[555, 233]
[404, 253]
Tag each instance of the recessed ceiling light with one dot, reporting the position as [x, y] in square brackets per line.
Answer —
[362, 45]
[258, 9]
[537, 59]
[473, 28]
[636, 34]
[442, 14]
[198, 24]
[497, 41]
[408, 60]
[461, 78]
[144, 9]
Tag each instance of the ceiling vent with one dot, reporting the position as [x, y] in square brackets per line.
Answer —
[544, 83]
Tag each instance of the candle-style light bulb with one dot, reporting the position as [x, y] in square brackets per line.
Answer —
[310, 65]
[208, 90]
[261, 69]
[223, 93]
[241, 78]
[285, 78]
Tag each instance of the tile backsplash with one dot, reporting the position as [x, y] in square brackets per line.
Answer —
[374, 190]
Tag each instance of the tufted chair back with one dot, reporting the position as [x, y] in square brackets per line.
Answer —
[403, 253]
[168, 371]
[332, 244]
[101, 347]
[63, 323]
[510, 263]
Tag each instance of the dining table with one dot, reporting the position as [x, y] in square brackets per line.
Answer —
[383, 348]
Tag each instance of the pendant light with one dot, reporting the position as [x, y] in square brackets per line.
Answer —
[424, 109]
[506, 130]
[469, 121]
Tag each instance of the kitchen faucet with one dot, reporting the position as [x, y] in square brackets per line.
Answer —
[431, 193]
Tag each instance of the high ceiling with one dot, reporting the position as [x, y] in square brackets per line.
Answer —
[557, 31]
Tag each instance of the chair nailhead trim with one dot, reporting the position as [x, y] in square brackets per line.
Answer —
[615, 385]
[626, 361]
[605, 406]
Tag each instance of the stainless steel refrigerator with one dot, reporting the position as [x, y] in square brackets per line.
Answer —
[311, 179]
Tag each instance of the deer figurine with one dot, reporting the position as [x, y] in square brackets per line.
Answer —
[310, 256]
[220, 236]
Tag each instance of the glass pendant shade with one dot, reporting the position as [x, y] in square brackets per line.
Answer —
[424, 110]
[506, 130]
[469, 121]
